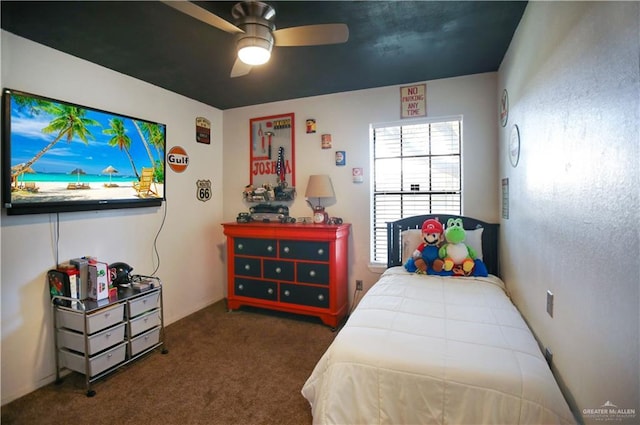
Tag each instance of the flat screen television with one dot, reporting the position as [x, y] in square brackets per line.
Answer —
[61, 157]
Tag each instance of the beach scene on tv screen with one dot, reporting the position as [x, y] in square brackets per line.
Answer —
[64, 152]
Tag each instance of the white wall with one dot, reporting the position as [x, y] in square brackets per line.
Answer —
[188, 244]
[347, 116]
[572, 74]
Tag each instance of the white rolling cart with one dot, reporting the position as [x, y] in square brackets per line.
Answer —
[96, 338]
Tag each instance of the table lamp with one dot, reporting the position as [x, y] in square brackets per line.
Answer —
[319, 186]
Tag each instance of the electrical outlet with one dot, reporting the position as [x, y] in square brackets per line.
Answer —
[548, 355]
[358, 285]
[550, 303]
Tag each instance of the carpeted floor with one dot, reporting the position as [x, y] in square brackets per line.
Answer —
[244, 367]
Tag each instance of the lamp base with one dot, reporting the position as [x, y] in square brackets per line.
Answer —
[320, 216]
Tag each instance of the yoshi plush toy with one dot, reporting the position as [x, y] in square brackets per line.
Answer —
[458, 257]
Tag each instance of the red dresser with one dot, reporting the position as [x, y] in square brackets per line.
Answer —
[297, 268]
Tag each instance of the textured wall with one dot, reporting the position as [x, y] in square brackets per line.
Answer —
[572, 74]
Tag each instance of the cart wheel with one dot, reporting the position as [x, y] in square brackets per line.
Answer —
[59, 381]
[164, 351]
[91, 393]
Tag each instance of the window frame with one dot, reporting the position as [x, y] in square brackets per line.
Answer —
[374, 227]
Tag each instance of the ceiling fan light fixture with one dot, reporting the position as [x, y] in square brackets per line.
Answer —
[254, 51]
[254, 55]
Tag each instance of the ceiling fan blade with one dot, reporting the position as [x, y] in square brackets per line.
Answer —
[240, 68]
[203, 15]
[312, 35]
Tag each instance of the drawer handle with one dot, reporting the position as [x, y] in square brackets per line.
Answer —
[109, 355]
[321, 297]
[287, 293]
[146, 319]
[312, 273]
[247, 267]
[286, 249]
[320, 251]
[270, 291]
[278, 270]
[108, 334]
[240, 247]
[240, 287]
[269, 248]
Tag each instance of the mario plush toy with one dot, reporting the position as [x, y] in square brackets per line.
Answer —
[425, 258]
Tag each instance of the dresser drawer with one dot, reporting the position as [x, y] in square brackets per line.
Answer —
[244, 266]
[255, 289]
[97, 364]
[313, 273]
[303, 250]
[257, 247]
[144, 322]
[305, 295]
[144, 341]
[144, 303]
[97, 342]
[96, 321]
[279, 270]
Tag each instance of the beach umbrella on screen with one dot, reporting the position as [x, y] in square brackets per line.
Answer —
[78, 171]
[109, 170]
[23, 170]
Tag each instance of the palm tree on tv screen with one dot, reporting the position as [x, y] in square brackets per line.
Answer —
[152, 134]
[121, 140]
[68, 121]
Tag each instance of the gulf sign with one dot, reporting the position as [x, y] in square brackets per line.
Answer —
[177, 159]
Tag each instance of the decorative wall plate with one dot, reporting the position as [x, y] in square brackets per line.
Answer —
[504, 108]
[514, 146]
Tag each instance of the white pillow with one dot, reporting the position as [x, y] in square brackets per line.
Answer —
[474, 240]
[410, 240]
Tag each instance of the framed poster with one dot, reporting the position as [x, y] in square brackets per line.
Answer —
[272, 150]
[505, 198]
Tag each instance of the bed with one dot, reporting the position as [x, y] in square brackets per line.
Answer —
[424, 349]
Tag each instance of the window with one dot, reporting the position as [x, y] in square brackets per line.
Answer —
[416, 170]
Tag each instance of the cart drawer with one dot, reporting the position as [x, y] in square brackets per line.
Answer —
[145, 322]
[96, 321]
[97, 364]
[97, 342]
[144, 341]
[144, 303]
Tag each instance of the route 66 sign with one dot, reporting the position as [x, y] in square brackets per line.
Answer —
[203, 190]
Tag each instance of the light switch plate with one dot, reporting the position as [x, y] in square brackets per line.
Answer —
[550, 303]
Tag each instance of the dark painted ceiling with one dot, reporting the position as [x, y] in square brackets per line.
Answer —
[390, 42]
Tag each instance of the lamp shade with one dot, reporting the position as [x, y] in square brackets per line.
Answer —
[319, 186]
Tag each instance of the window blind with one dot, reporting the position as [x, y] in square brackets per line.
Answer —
[416, 170]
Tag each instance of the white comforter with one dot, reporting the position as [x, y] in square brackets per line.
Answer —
[435, 350]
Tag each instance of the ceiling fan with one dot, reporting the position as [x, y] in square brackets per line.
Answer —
[256, 32]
